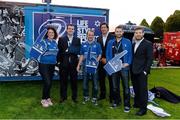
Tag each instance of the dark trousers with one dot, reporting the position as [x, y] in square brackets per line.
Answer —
[65, 73]
[102, 83]
[46, 71]
[124, 76]
[139, 82]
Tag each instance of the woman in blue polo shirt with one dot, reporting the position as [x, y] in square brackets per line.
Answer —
[90, 55]
[47, 61]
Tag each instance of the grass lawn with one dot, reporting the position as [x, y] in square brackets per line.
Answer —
[20, 100]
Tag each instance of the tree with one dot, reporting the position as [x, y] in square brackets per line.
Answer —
[177, 12]
[157, 26]
[144, 23]
[173, 22]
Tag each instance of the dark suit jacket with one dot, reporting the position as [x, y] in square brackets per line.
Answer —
[73, 51]
[143, 57]
[100, 41]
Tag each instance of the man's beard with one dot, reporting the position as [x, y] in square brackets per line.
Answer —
[139, 38]
[118, 36]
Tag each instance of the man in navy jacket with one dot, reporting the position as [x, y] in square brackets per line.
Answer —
[114, 47]
[141, 65]
[103, 40]
[69, 49]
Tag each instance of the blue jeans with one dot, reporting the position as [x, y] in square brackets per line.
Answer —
[124, 76]
[94, 78]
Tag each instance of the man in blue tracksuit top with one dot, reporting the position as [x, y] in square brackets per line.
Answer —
[115, 46]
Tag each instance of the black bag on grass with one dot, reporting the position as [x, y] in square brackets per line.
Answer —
[165, 94]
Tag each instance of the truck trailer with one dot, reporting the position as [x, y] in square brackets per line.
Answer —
[21, 25]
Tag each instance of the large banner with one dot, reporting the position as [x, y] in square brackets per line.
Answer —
[81, 22]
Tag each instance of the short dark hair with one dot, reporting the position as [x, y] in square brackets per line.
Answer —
[104, 24]
[139, 28]
[69, 25]
[119, 27]
[54, 30]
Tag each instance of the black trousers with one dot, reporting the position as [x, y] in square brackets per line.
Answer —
[46, 71]
[66, 72]
[139, 82]
[102, 83]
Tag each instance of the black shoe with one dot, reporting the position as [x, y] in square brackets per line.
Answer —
[75, 101]
[62, 100]
[135, 106]
[118, 103]
[110, 101]
[101, 97]
[141, 112]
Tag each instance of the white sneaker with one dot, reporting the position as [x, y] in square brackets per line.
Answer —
[94, 101]
[49, 101]
[86, 99]
[44, 103]
[126, 109]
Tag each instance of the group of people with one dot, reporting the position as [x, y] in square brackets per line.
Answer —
[136, 65]
[159, 54]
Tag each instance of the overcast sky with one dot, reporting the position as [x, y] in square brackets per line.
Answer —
[122, 11]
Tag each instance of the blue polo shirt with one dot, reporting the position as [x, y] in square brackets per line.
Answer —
[94, 48]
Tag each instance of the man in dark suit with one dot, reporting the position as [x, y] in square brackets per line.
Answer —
[69, 48]
[141, 64]
[103, 40]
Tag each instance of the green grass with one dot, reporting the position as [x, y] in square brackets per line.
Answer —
[20, 100]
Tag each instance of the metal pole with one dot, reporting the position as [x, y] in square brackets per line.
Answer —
[48, 6]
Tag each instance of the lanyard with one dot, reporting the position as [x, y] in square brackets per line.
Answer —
[117, 48]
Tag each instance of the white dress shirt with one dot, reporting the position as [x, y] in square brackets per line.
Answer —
[70, 40]
[104, 37]
[137, 43]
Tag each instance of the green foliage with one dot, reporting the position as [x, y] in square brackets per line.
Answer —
[144, 23]
[176, 12]
[157, 26]
[173, 22]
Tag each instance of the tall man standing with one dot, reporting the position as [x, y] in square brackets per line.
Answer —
[114, 47]
[69, 48]
[103, 40]
[142, 60]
